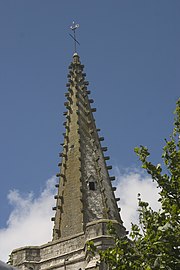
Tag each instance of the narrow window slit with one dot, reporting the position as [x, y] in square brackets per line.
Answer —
[91, 186]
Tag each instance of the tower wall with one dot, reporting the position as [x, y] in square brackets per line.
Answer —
[69, 253]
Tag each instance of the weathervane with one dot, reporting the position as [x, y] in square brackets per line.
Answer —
[73, 28]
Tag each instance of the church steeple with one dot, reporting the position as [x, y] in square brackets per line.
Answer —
[85, 200]
[85, 193]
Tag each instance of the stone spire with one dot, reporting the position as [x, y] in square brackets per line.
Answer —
[85, 193]
[85, 201]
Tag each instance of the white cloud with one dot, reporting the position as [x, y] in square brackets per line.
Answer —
[129, 184]
[29, 222]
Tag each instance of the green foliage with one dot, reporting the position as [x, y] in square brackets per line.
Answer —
[155, 243]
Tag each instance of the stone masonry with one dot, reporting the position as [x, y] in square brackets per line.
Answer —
[85, 201]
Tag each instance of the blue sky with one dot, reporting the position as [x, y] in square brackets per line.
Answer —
[130, 50]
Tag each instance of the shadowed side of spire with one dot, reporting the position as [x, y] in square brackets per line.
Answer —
[69, 218]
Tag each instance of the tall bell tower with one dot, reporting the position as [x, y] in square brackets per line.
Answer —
[85, 200]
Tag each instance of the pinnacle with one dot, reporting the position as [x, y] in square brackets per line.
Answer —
[75, 54]
[76, 58]
[85, 193]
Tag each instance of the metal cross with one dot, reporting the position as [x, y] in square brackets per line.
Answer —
[73, 28]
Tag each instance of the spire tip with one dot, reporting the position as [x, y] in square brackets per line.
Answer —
[75, 54]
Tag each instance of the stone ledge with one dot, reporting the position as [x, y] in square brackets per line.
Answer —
[50, 243]
[68, 254]
[25, 248]
[102, 221]
[55, 242]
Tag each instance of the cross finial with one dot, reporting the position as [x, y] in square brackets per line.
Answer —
[73, 28]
